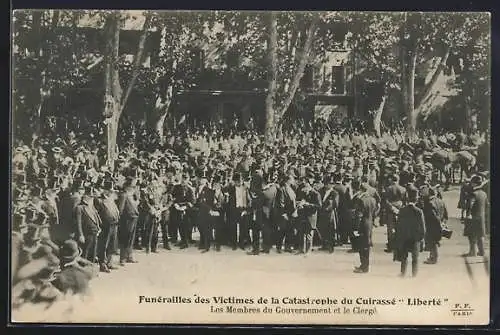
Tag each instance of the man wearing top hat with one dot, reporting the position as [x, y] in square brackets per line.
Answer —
[342, 186]
[475, 225]
[286, 210]
[328, 214]
[109, 214]
[239, 204]
[308, 203]
[217, 212]
[205, 201]
[410, 232]
[88, 224]
[256, 210]
[180, 219]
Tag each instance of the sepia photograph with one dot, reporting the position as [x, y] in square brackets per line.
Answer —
[250, 167]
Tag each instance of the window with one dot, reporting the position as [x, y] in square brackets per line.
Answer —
[307, 78]
[198, 58]
[338, 79]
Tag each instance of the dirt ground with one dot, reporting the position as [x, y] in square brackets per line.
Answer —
[188, 274]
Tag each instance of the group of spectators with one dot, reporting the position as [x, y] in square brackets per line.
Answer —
[73, 213]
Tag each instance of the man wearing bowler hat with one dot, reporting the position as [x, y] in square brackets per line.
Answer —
[88, 224]
[74, 277]
[435, 215]
[109, 214]
[475, 224]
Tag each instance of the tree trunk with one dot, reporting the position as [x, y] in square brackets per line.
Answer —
[411, 113]
[113, 91]
[160, 114]
[304, 58]
[377, 117]
[269, 130]
[114, 99]
[426, 93]
[138, 60]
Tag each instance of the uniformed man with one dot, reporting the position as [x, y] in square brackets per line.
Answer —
[109, 214]
[394, 197]
[88, 223]
[153, 218]
[128, 205]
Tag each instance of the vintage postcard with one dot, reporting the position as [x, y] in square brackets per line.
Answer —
[238, 167]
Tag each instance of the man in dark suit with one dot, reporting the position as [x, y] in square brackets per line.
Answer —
[205, 202]
[216, 213]
[394, 196]
[88, 225]
[256, 219]
[309, 202]
[239, 204]
[344, 207]
[110, 214]
[475, 228]
[435, 214]
[410, 232]
[328, 215]
[269, 192]
[69, 204]
[286, 209]
[183, 201]
[128, 205]
[365, 211]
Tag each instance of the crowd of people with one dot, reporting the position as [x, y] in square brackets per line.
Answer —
[74, 214]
